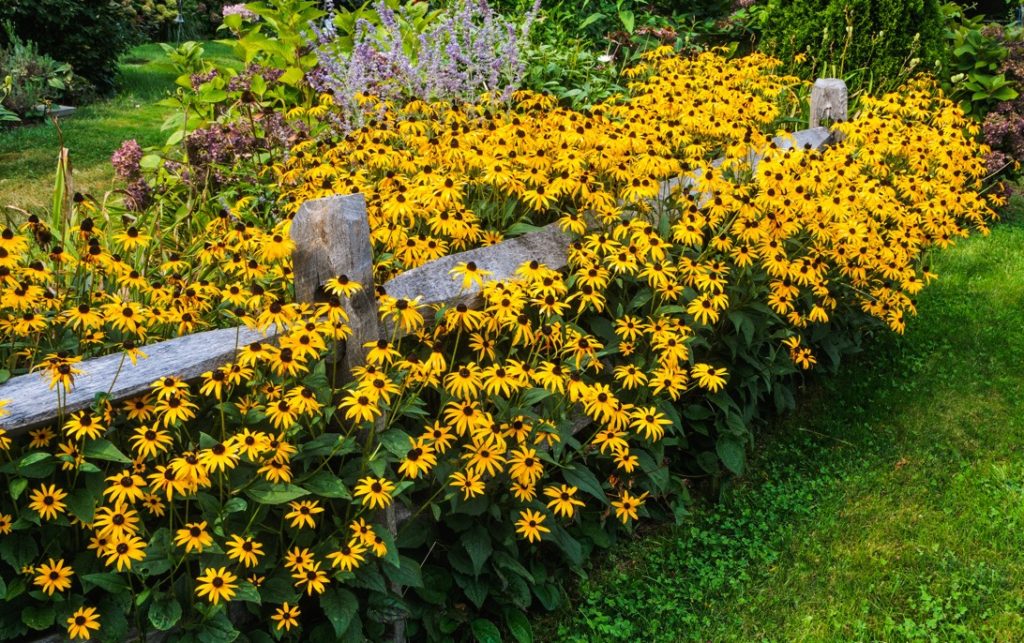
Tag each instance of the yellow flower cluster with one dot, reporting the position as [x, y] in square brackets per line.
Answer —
[488, 401]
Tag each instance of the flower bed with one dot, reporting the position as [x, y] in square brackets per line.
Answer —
[262, 486]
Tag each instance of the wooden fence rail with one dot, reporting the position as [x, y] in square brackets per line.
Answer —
[332, 237]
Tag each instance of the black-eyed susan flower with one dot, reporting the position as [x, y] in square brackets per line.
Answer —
[341, 286]
[709, 377]
[165, 479]
[244, 550]
[123, 551]
[349, 556]
[298, 559]
[193, 536]
[53, 576]
[464, 382]
[215, 584]
[359, 407]
[563, 500]
[403, 312]
[419, 459]
[470, 484]
[649, 422]
[41, 438]
[525, 466]
[312, 579]
[82, 621]
[125, 487]
[222, 456]
[530, 525]
[251, 443]
[286, 617]
[151, 440]
[374, 492]
[47, 501]
[484, 454]
[470, 274]
[627, 505]
[116, 522]
[303, 513]
[83, 425]
[153, 504]
[276, 470]
[174, 409]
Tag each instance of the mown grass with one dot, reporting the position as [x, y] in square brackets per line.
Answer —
[890, 507]
[28, 154]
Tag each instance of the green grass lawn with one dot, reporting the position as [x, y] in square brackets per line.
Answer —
[28, 154]
[890, 507]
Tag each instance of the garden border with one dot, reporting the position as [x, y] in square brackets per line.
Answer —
[332, 237]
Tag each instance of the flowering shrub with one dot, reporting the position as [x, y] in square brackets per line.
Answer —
[1003, 127]
[515, 437]
[470, 50]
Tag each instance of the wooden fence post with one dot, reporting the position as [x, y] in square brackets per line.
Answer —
[332, 239]
[829, 98]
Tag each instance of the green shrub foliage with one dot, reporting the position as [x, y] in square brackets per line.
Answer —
[882, 38]
[90, 35]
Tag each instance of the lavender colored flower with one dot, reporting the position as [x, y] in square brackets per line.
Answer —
[197, 80]
[126, 160]
[138, 195]
[243, 81]
[213, 150]
[471, 51]
[239, 10]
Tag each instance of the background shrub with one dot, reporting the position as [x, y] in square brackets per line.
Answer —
[1003, 127]
[34, 78]
[873, 35]
[89, 35]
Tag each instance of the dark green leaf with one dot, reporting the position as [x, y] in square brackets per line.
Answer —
[164, 612]
[580, 476]
[340, 606]
[267, 493]
[478, 545]
[326, 485]
[476, 590]
[548, 595]
[38, 617]
[248, 592]
[33, 458]
[407, 574]
[18, 550]
[82, 503]
[518, 625]
[216, 629]
[104, 450]
[396, 442]
[278, 589]
[568, 544]
[109, 581]
[732, 453]
[17, 487]
[485, 631]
